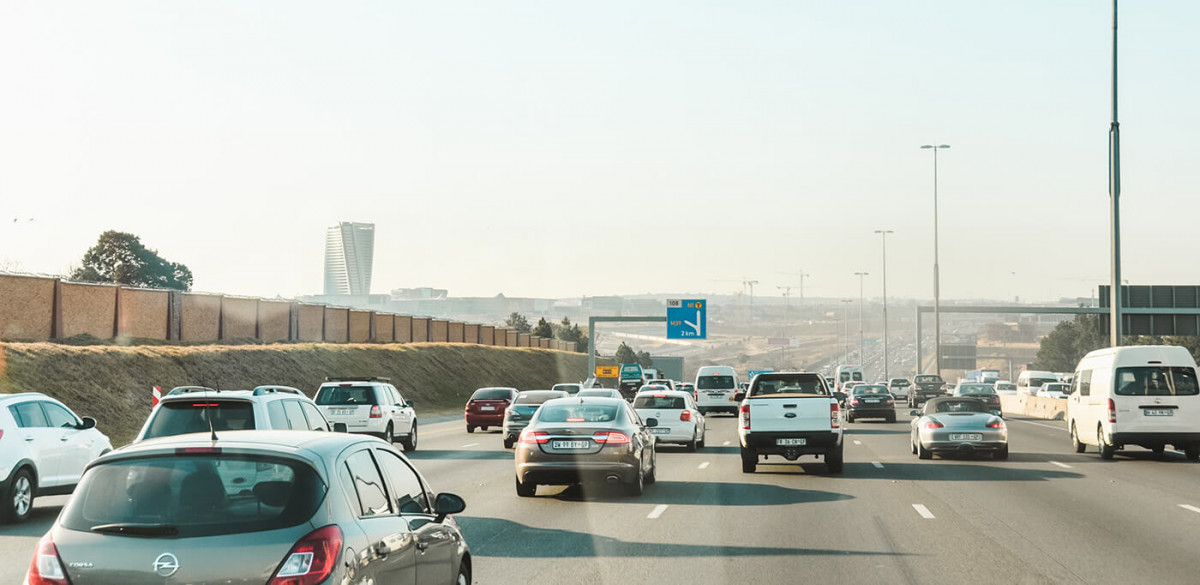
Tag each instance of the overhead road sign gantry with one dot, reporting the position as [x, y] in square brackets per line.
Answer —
[687, 319]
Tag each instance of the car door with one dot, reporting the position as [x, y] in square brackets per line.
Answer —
[404, 414]
[391, 553]
[46, 450]
[436, 544]
[77, 445]
[316, 421]
[643, 440]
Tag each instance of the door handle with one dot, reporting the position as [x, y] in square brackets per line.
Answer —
[29, 439]
[63, 438]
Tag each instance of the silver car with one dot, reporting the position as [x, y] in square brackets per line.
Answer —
[957, 425]
[321, 508]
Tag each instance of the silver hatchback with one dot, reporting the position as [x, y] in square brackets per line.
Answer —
[320, 508]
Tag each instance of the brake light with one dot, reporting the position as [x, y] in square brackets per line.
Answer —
[312, 559]
[1112, 411]
[198, 451]
[685, 415]
[376, 412]
[996, 424]
[574, 419]
[534, 437]
[745, 416]
[854, 401]
[834, 415]
[46, 568]
[611, 438]
[205, 405]
[933, 424]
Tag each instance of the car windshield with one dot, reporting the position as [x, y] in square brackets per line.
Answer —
[577, 413]
[870, 389]
[345, 395]
[538, 396]
[715, 383]
[178, 417]
[1006, 386]
[927, 379]
[568, 388]
[654, 401]
[491, 394]
[192, 496]
[959, 406]
[1156, 381]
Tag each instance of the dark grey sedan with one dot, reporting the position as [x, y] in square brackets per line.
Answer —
[318, 508]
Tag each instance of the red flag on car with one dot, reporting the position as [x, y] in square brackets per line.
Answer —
[155, 396]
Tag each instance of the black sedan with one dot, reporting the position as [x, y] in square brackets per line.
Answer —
[870, 401]
[986, 393]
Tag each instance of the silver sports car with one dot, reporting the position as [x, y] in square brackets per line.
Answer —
[957, 425]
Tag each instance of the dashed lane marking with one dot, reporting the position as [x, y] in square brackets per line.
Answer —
[704, 465]
[1192, 508]
[1062, 465]
[877, 464]
[923, 511]
[469, 445]
[657, 511]
[726, 443]
[858, 442]
[1029, 422]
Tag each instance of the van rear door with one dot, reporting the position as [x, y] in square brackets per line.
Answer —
[1156, 399]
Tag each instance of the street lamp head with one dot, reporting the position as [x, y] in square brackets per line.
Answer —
[935, 146]
[884, 232]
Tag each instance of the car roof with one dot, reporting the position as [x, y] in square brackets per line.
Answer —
[672, 393]
[23, 396]
[585, 400]
[321, 443]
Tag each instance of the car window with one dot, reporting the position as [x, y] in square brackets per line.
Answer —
[345, 395]
[29, 415]
[1084, 382]
[959, 406]
[538, 397]
[632, 415]
[399, 398]
[789, 384]
[316, 421]
[655, 401]
[58, 416]
[870, 389]
[715, 382]
[367, 484]
[180, 417]
[492, 394]
[276, 415]
[405, 486]
[1156, 381]
[295, 414]
[577, 413]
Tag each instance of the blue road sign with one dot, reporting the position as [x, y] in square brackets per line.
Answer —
[753, 373]
[687, 319]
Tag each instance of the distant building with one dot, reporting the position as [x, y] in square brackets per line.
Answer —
[349, 251]
[420, 293]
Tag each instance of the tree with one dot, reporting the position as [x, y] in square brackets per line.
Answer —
[518, 323]
[643, 358]
[121, 258]
[543, 329]
[1062, 349]
[626, 355]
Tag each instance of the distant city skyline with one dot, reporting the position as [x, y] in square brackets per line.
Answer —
[349, 258]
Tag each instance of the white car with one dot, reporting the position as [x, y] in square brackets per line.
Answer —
[899, 387]
[1006, 387]
[652, 388]
[44, 448]
[1053, 390]
[371, 406]
[679, 421]
[196, 409]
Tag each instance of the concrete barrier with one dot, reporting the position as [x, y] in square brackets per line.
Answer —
[274, 321]
[89, 309]
[360, 326]
[511, 338]
[420, 329]
[470, 333]
[1034, 406]
[404, 329]
[239, 318]
[142, 313]
[201, 317]
[385, 328]
[26, 307]
[311, 323]
[524, 340]
[439, 331]
[487, 335]
[455, 334]
[337, 324]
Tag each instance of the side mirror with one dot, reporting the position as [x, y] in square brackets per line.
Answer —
[651, 423]
[340, 428]
[446, 504]
[914, 413]
[739, 396]
[88, 423]
[410, 404]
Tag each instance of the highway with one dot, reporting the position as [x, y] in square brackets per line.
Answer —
[1047, 515]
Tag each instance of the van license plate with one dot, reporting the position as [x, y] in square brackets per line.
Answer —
[571, 444]
[966, 437]
[1158, 412]
[790, 442]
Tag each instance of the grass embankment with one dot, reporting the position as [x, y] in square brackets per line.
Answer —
[112, 383]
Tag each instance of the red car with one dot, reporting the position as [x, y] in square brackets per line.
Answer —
[486, 407]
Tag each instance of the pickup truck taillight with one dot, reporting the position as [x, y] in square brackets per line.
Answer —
[834, 415]
[745, 417]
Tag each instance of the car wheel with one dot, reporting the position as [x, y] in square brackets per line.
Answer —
[700, 443]
[653, 476]
[849, 417]
[470, 428]
[749, 460]
[410, 442]
[1159, 449]
[638, 485]
[833, 459]
[1106, 451]
[891, 417]
[922, 452]
[18, 502]
[912, 444]
[1192, 452]
[703, 411]
[508, 442]
[464, 574]
[526, 489]
[388, 435]
[691, 445]
[1075, 442]
[1001, 453]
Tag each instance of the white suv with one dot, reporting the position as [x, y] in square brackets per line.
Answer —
[43, 450]
[196, 409]
[371, 406]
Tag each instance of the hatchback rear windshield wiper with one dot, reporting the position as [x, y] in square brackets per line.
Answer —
[134, 529]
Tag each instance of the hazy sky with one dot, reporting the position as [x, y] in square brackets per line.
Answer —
[562, 148]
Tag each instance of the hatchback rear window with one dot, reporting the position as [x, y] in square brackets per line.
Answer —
[1156, 381]
[715, 383]
[583, 413]
[194, 495]
[193, 416]
[652, 401]
[491, 394]
[343, 395]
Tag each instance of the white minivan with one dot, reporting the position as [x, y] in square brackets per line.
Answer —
[715, 388]
[1143, 395]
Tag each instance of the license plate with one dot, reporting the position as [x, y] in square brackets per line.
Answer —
[660, 431]
[715, 394]
[966, 437]
[871, 401]
[790, 442]
[570, 444]
[341, 411]
[1158, 412]
[487, 408]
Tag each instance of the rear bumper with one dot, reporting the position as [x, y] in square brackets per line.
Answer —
[815, 442]
[570, 472]
[872, 411]
[965, 447]
[1177, 439]
[480, 419]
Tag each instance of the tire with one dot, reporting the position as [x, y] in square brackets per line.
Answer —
[749, 460]
[1001, 453]
[1158, 450]
[700, 443]
[410, 442]
[833, 460]
[470, 428]
[703, 411]
[1079, 447]
[638, 485]
[526, 490]
[849, 417]
[922, 452]
[1106, 451]
[18, 501]
[1191, 452]
[388, 435]
[464, 574]
[691, 445]
[891, 417]
[508, 442]
[912, 445]
[653, 477]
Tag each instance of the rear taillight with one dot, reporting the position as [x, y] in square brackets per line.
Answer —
[376, 412]
[744, 417]
[854, 401]
[311, 559]
[611, 438]
[1112, 411]
[46, 568]
[933, 424]
[996, 424]
[685, 415]
[534, 437]
[834, 415]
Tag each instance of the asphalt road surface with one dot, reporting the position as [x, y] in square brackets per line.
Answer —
[1047, 515]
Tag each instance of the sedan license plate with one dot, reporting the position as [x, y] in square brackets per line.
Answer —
[487, 408]
[966, 437]
[872, 401]
[1158, 412]
[660, 430]
[570, 444]
[790, 442]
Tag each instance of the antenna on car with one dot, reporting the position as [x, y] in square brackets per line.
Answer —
[212, 432]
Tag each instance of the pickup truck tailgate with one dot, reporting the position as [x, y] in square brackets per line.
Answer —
[789, 412]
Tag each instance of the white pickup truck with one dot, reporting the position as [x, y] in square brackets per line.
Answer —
[789, 414]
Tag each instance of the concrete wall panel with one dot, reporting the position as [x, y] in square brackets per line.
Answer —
[420, 329]
[360, 326]
[439, 331]
[456, 332]
[239, 318]
[201, 317]
[336, 325]
[385, 328]
[88, 309]
[273, 320]
[404, 329]
[143, 313]
[524, 340]
[312, 323]
[487, 335]
[470, 333]
[26, 307]
[511, 338]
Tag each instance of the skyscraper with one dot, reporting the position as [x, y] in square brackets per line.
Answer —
[349, 250]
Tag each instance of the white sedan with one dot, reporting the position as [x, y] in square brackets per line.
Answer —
[679, 421]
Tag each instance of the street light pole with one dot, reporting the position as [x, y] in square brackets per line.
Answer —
[1114, 197]
[861, 356]
[883, 235]
[937, 279]
[846, 326]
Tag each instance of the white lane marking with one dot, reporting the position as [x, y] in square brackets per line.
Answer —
[1192, 508]
[858, 442]
[877, 464]
[704, 465]
[1062, 465]
[468, 445]
[657, 511]
[1029, 422]
[923, 511]
[726, 442]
